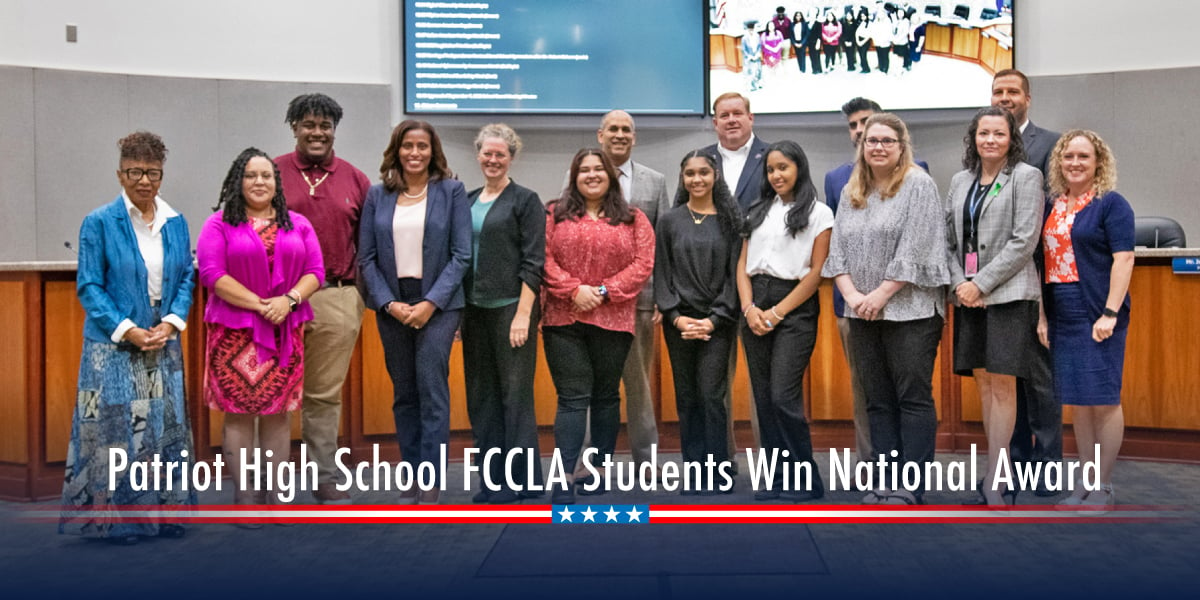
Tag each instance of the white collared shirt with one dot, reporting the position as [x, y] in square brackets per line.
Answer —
[150, 245]
[773, 251]
[734, 161]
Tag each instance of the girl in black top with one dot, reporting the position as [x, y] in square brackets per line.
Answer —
[694, 287]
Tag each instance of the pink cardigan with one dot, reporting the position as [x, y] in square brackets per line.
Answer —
[224, 249]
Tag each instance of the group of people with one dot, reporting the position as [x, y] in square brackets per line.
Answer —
[298, 245]
[823, 42]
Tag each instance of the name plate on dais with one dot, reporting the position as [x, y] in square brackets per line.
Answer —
[1186, 265]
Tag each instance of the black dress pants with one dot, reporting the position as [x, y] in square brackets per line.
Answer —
[777, 362]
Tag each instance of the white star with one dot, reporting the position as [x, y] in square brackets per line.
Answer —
[611, 513]
[565, 514]
[635, 515]
[589, 515]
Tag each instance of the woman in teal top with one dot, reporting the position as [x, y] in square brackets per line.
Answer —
[499, 328]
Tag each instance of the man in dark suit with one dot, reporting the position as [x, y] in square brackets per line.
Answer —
[738, 152]
[740, 156]
[1037, 435]
[1010, 91]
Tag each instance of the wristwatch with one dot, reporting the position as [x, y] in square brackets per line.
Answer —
[603, 291]
[1108, 312]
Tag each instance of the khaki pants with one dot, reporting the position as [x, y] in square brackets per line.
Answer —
[328, 346]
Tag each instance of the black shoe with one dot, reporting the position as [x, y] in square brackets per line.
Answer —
[583, 480]
[528, 495]
[171, 531]
[561, 496]
[685, 492]
[764, 495]
[481, 497]
[505, 496]
[802, 495]
[123, 540]
[600, 489]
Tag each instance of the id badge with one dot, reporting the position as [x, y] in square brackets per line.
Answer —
[971, 264]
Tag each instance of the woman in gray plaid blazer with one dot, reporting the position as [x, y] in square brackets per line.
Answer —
[993, 218]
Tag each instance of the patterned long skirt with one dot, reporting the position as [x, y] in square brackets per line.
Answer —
[131, 400]
[236, 381]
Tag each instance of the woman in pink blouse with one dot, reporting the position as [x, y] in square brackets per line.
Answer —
[260, 263]
[599, 254]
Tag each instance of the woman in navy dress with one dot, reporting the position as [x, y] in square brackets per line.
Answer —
[1088, 240]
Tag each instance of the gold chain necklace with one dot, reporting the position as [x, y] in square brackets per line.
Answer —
[697, 219]
[312, 187]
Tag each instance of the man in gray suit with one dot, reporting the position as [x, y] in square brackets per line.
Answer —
[644, 189]
[1037, 435]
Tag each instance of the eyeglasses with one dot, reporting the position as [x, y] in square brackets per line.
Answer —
[888, 143]
[136, 174]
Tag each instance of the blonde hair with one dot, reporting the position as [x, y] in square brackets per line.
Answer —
[1106, 163]
[862, 180]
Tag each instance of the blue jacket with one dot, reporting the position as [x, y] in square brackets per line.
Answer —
[446, 247]
[111, 280]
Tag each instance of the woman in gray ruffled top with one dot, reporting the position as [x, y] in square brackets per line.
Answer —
[888, 258]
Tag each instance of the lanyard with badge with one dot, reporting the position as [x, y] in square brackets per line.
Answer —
[979, 193]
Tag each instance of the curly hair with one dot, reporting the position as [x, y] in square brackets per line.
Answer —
[233, 204]
[729, 214]
[391, 172]
[803, 195]
[142, 146]
[317, 105]
[1016, 147]
[862, 179]
[501, 132]
[1106, 164]
[572, 205]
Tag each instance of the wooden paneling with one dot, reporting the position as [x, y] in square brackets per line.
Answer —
[1162, 352]
[966, 43]
[14, 377]
[831, 397]
[987, 53]
[937, 38]
[724, 53]
[64, 344]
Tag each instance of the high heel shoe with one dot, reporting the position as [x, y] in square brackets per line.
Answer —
[1009, 496]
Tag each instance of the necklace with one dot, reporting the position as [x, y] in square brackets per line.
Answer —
[697, 218]
[418, 195]
[312, 186]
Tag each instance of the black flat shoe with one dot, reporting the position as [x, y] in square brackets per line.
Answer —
[561, 496]
[802, 495]
[505, 496]
[764, 495]
[171, 531]
[124, 540]
[481, 497]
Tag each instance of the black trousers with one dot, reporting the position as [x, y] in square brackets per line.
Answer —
[585, 362]
[895, 361]
[849, 50]
[777, 362]
[884, 55]
[499, 382]
[814, 56]
[862, 59]
[1037, 434]
[700, 370]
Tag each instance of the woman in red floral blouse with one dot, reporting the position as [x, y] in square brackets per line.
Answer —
[599, 254]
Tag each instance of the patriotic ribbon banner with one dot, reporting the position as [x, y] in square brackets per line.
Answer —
[615, 514]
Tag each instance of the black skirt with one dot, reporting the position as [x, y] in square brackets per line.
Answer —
[1000, 338]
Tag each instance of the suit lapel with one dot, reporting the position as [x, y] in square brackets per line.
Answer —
[1002, 181]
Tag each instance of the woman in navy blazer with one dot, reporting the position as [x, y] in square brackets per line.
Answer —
[414, 248]
[135, 283]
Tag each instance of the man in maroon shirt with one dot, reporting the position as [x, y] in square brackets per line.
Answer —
[330, 192]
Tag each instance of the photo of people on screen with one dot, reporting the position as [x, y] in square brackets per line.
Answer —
[808, 55]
